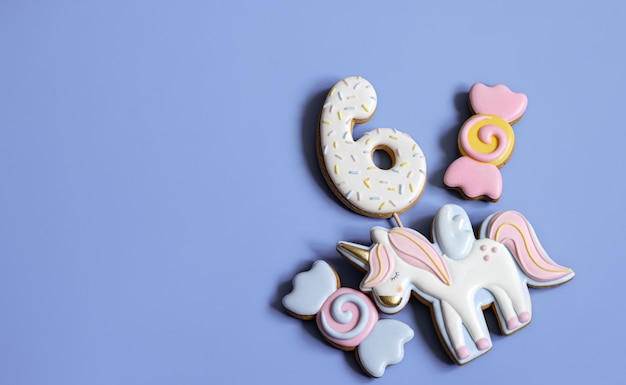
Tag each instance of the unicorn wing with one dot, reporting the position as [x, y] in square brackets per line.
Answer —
[384, 346]
[452, 231]
[514, 231]
[310, 289]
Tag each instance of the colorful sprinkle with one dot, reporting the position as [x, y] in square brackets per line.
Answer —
[358, 196]
[326, 105]
[353, 157]
[349, 194]
[348, 108]
[345, 135]
[336, 169]
[375, 198]
[366, 181]
[391, 188]
[338, 157]
[363, 106]
[335, 144]
[356, 85]
[411, 187]
[325, 122]
[401, 189]
[381, 206]
[332, 91]
[330, 132]
[393, 137]
[339, 115]
[325, 149]
[404, 164]
[367, 142]
[372, 168]
[392, 203]
[354, 172]
[340, 95]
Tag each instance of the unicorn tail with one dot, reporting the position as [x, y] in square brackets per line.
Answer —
[515, 232]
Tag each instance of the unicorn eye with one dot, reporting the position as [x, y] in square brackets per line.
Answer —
[395, 276]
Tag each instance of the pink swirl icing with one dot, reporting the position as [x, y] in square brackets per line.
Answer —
[347, 317]
[485, 134]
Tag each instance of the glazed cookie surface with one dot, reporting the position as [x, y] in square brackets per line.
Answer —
[348, 165]
[347, 318]
[486, 142]
[459, 275]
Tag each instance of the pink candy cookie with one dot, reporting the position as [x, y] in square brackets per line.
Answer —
[486, 142]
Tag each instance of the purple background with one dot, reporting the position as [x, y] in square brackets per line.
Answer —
[159, 187]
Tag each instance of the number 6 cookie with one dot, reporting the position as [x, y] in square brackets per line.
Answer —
[348, 164]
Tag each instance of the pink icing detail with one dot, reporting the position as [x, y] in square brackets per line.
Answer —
[417, 251]
[483, 344]
[487, 257]
[483, 247]
[524, 317]
[513, 230]
[462, 352]
[474, 178]
[382, 263]
[486, 134]
[498, 100]
[494, 249]
[355, 307]
[512, 324]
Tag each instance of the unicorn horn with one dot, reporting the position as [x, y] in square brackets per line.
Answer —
[355, 253]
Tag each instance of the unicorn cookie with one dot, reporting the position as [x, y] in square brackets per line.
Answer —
[486, 142]
[347, 318]
[459, 275]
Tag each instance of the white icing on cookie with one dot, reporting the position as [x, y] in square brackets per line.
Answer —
[492, 271]
[348, 164]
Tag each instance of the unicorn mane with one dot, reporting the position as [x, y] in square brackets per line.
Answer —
[412, 248]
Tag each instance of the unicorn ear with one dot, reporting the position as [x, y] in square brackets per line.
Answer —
[452, 231]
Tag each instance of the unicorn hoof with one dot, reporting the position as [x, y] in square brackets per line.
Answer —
[524, 317]
[512, 324]
[462, 352]
[483, 344]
